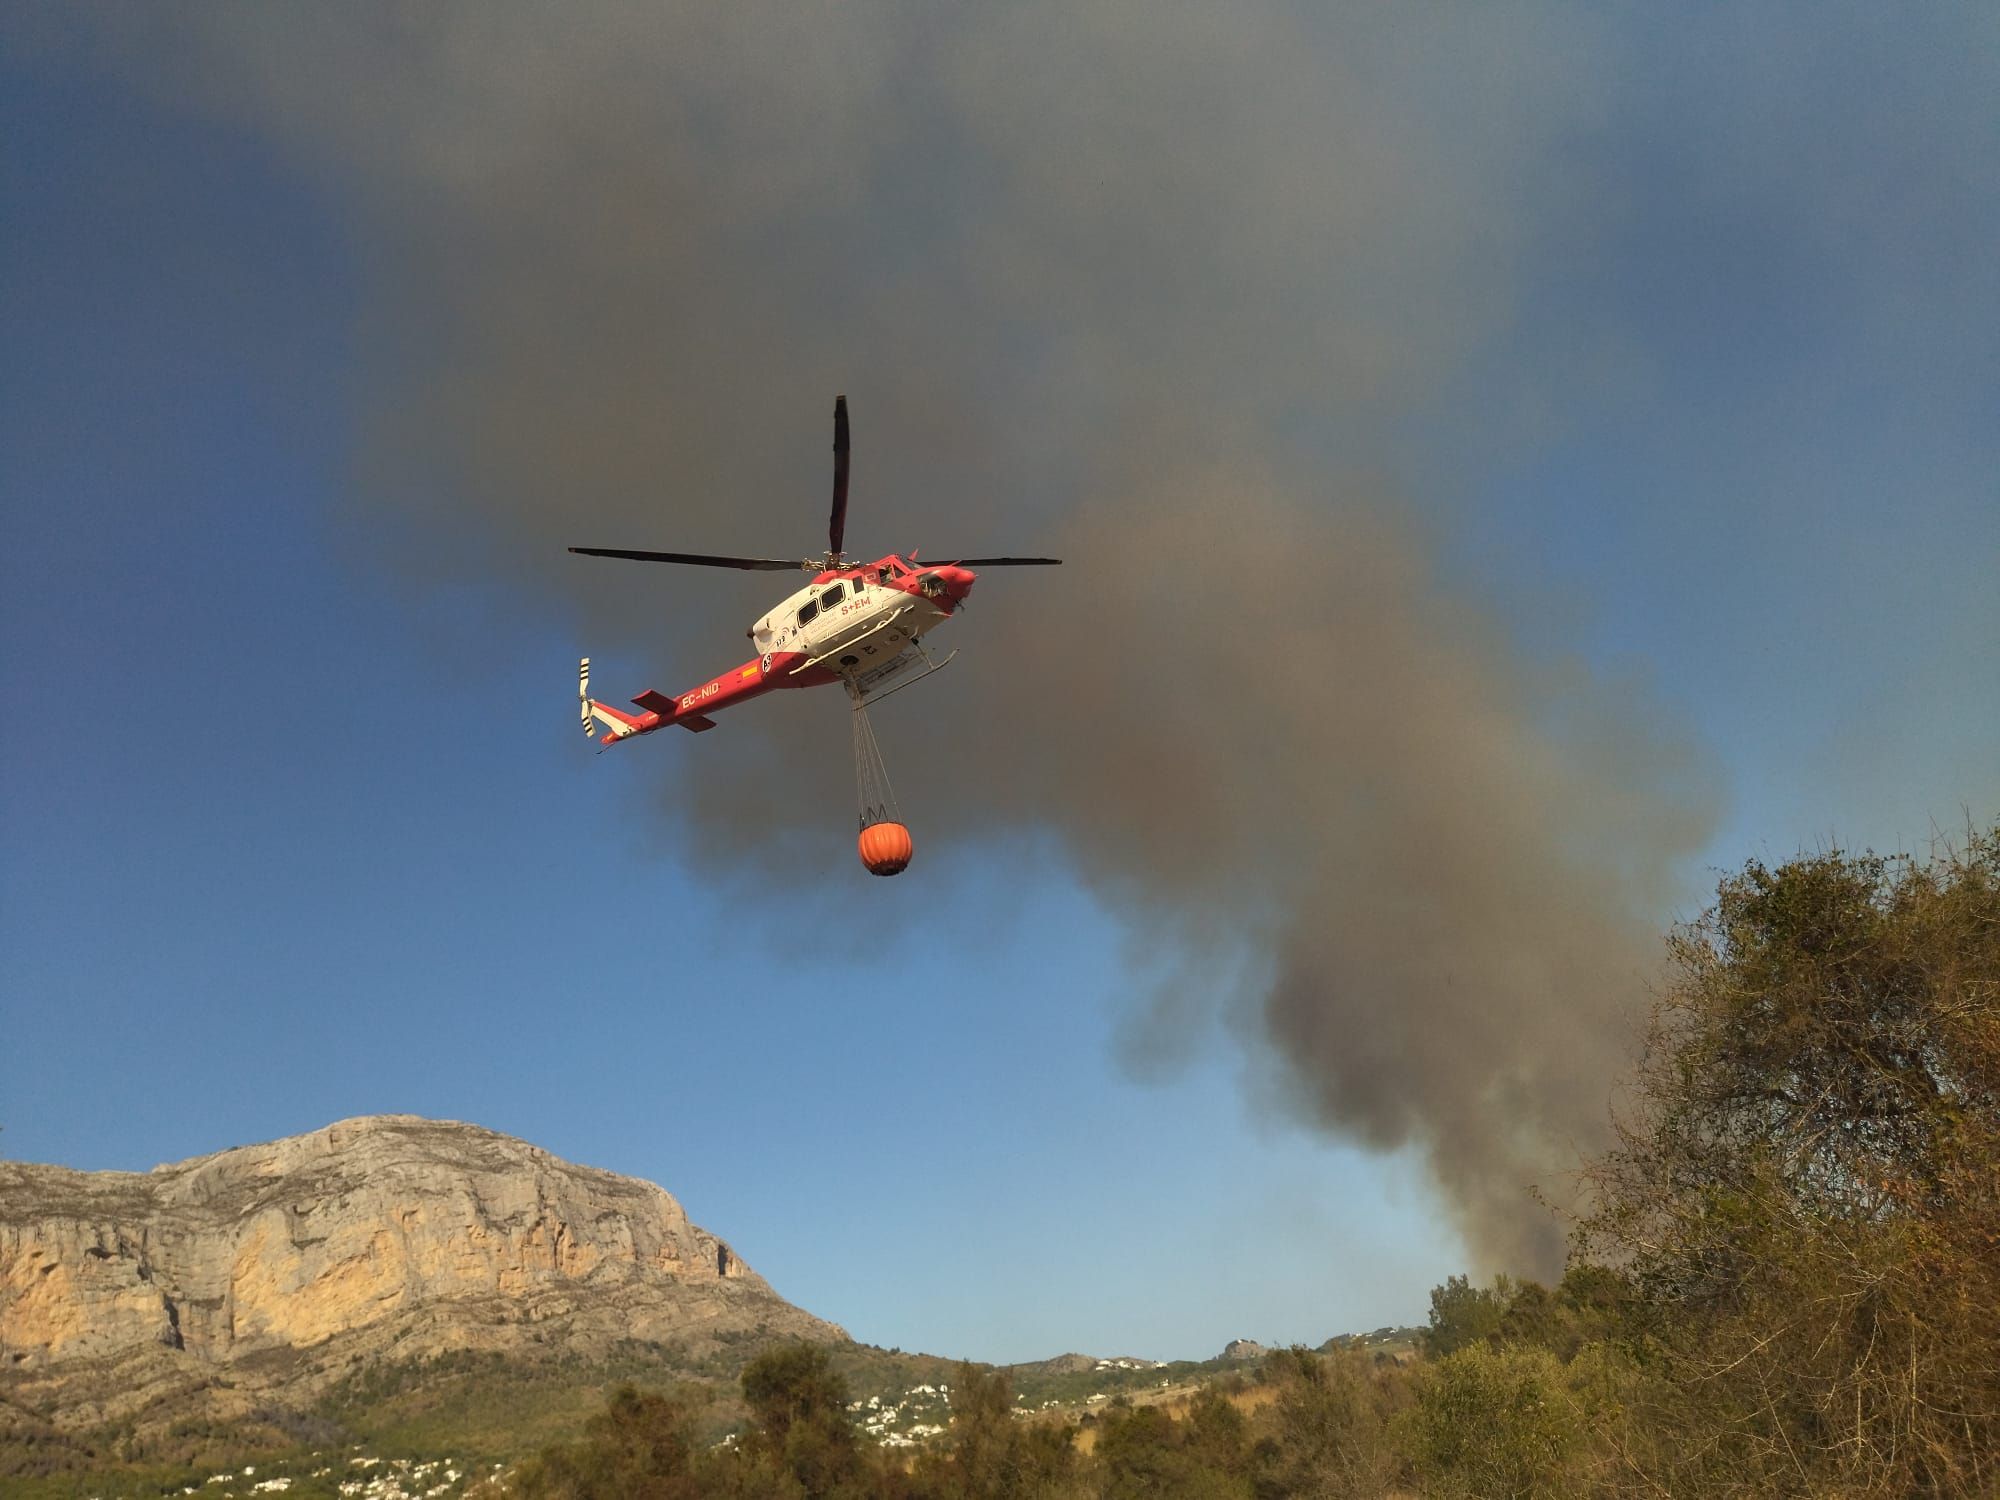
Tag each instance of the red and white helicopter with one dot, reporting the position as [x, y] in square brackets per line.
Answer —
[858, 624]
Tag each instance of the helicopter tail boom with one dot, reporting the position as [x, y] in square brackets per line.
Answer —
[692, 709]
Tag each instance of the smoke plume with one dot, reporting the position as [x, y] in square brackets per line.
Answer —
[1161, 290]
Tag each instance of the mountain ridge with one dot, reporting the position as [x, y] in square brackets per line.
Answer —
[281, 1266]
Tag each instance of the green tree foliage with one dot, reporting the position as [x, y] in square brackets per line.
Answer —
[1584, 1307]
[1493, 1422]
[1463, 1314]
[1328, 1435]
[1217, 1434]
[646, 1446]
[803, 1443]
[790, 1386]
[642, 1445]
[989, 1454]
[1805, 1199]
[1143, 1452]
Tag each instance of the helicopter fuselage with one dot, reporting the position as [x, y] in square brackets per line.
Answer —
[856, 625]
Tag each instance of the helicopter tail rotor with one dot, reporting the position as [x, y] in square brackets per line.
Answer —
[617, 725]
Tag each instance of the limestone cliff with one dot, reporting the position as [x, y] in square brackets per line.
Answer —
[387, 1233]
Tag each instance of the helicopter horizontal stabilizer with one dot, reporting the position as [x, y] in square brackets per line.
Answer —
[656, 702]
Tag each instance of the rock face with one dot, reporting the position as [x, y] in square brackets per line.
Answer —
[387, 1233]
[1243, 1349]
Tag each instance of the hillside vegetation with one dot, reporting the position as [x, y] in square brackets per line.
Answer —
[1786, 1282]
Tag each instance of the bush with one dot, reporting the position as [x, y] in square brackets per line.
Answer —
[1805, 1199]
[1328, 1434]
[1494, 1422]
[1143, 1453]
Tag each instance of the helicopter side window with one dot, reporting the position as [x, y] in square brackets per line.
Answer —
[806, 612]
[831, 597]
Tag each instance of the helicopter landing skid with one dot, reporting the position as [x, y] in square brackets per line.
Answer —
[864, 696]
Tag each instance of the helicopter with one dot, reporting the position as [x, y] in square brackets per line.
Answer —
[858, 624]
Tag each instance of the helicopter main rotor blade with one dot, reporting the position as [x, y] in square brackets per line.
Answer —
[836, 525]
[700, 560]
[1007, 562]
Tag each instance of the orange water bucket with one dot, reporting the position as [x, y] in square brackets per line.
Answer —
[886, 848]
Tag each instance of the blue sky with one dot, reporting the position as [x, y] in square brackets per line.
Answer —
[298, 826]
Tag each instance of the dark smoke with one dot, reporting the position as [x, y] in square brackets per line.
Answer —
[1104, 280]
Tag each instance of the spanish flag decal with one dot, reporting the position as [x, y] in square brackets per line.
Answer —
[751, 671]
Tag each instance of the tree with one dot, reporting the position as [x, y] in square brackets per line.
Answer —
[792, 1383]
[1804, 1196]
[1463, 1314]
[642, 1446]
[803, 1442]
[990, 1454]
[1144, 1454]
[1582, 1309]
[1329, 1426]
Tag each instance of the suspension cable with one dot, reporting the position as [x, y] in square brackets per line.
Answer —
[874, 796]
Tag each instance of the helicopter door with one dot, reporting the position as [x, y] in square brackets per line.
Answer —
[818, 619]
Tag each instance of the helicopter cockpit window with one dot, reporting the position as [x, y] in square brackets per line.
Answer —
[806, 612]
[832, 596]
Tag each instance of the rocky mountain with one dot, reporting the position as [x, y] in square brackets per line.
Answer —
[284, 1266]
